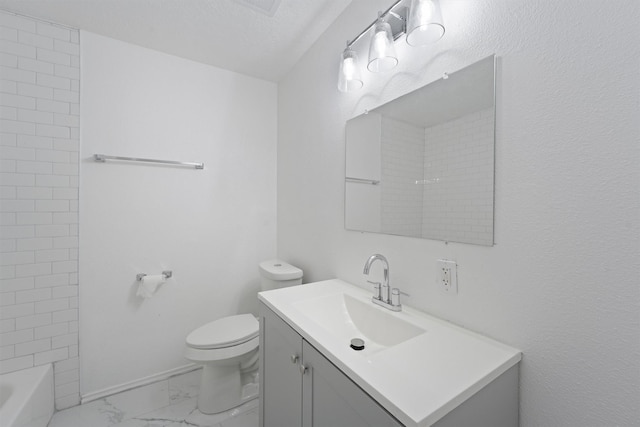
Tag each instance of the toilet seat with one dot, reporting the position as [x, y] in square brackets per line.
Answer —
[228, 348]
[225, 332]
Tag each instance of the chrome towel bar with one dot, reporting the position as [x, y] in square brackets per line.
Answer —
[362, 181]
[167, 274]
[103, 158]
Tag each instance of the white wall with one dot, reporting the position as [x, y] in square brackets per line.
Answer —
[39, 113]
[210, 227]
[561, 283]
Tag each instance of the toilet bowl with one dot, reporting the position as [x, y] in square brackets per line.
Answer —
[222, 347]
[228, 348]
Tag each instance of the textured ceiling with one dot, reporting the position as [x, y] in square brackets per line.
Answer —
[246, 36]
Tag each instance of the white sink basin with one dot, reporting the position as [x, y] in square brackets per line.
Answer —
[347, 317]
[416, 366]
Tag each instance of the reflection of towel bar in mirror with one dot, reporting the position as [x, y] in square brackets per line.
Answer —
[362, 181]
[103, 158]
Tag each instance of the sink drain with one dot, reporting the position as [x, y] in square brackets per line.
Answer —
[357, 344]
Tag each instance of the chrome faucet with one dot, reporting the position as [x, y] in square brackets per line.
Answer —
[385, 265]
[384, 295]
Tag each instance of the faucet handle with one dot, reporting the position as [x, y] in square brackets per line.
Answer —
[376, 289]
[386, 291]
[395, 296]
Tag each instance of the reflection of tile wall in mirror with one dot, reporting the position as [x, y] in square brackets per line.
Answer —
[458, 201]
[435, 164]
[402, 146]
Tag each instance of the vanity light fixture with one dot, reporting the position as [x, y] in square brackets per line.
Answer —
[421, 22]
[382, 52]
[424, 24]
[349, 78]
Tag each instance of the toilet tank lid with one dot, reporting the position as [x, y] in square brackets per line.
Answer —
[276, 269]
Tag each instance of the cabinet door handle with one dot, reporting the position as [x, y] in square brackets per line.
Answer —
[303, 369]
[294, 358]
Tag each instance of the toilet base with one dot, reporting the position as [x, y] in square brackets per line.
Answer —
[222, 389]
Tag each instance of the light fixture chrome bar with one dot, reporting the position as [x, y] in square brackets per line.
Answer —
[362, 181]
[103, 158]
[389, 11]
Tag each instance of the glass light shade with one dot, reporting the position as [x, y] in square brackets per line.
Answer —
[349, 78]
[382, 52]
[424, 24]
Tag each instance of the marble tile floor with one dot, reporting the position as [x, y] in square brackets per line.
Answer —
[169, 403]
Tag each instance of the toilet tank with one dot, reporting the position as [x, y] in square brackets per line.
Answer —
[276, 274]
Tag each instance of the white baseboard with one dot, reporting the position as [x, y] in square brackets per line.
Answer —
[161, 376]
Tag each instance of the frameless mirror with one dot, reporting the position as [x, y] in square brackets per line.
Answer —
[422, 165]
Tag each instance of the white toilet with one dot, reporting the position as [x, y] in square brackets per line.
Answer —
[228, 348]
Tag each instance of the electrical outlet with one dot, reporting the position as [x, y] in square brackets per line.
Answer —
[447, 276]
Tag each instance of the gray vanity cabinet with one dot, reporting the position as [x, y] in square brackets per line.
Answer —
[280, 376]
[331, 399]
[301, 387]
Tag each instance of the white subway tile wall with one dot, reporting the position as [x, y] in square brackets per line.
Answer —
[402, 146]
[458, 181]
[39, 155]
[438, 182]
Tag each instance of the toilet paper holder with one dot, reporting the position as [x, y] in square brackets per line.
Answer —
[167, 274]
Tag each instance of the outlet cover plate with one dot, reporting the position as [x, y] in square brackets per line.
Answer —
[447, 276]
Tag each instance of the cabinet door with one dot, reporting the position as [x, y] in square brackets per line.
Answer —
[331, 399]
[280, 378]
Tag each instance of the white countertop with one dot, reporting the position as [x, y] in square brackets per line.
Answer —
[419, 380]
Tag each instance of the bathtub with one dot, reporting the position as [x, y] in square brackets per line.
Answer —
[26, 397]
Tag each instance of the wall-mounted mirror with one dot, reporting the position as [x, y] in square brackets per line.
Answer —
[422, 165]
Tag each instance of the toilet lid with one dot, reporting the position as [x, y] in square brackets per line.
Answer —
[224, 332]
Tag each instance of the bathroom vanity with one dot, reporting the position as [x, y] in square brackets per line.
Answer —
[414, 369]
